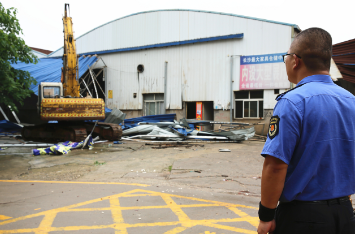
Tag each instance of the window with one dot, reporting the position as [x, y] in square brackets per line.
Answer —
[249, 104]
[153, 104]
[51, 91]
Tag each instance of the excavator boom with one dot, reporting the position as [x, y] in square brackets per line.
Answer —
[70, 61]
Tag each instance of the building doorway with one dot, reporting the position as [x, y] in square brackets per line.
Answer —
[194, 110]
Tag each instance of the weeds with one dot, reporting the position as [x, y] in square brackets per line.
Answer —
[97, 163]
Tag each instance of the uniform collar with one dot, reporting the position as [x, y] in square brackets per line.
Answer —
[315, 78]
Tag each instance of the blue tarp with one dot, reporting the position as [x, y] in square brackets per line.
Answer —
[107, 110]
[63, 148]
[7, 126]
[133, 122]
[50, 69]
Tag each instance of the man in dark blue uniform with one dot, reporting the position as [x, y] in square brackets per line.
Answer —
[309, 165]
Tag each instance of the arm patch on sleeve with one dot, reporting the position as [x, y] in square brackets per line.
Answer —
[274, 126]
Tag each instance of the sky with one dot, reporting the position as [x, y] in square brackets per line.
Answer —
[41, 20]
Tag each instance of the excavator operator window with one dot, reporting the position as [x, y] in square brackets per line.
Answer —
[51, 92]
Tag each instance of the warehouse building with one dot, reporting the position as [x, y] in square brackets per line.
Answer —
[197, 64]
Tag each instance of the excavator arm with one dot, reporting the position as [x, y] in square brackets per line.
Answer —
[70, 60]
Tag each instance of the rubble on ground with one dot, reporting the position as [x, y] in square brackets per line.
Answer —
[154, 128]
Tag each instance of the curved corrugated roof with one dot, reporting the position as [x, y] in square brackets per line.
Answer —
[202, 11]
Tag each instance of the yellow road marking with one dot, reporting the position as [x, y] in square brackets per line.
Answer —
[3, 217]
[70, 182]
[117, 216]
[141, 207]
[45, 225]
[120, 226]
[253, 221]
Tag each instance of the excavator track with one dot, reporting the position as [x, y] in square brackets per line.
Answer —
[106, 131]
[59, 132]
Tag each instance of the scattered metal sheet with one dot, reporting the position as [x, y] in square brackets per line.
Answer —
[138, 130]
[192, 141]
[224, 150]
[26, 145]
[115, 116]
[174, 136]
[238, 135]
[164, 124]
[209, 122]
[165, 133]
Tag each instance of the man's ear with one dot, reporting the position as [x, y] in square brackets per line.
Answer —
[296, 62]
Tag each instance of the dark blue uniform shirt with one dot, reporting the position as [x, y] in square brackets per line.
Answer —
[315, 136]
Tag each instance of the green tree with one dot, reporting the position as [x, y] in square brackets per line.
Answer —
[14, 84]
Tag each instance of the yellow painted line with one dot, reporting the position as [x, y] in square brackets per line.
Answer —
[70, 182]
[142, 207]
[153, 193]
[117, 216]
[183, 218]
[210, 223]
[3, 217]
[254, 222]
[17, 231]
[46, 224]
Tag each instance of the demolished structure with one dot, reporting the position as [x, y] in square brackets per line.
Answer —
[166, 128]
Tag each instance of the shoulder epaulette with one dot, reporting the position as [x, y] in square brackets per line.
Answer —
[282, 94]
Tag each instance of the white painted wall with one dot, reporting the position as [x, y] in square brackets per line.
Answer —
[270, 98]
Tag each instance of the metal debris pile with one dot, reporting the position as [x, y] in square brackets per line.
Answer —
[166, 128]
[154, 129]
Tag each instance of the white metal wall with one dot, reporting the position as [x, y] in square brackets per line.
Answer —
[171, 26]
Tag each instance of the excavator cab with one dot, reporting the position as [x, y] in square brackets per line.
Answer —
[48, 90]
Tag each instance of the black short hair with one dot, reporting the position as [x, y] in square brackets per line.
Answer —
[314, 46]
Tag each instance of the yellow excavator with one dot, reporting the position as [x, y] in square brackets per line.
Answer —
[62, 102]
